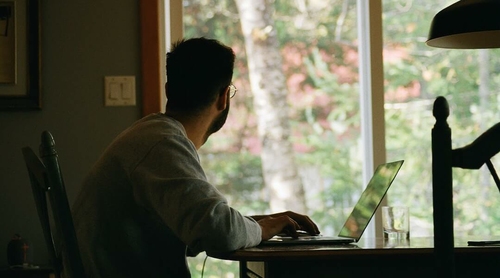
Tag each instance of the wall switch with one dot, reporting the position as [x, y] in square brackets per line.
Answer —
[119, 91]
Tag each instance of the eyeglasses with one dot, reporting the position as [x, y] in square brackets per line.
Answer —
[232, 90]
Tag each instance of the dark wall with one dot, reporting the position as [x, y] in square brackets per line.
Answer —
[82, 41]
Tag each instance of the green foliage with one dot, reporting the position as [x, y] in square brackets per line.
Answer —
[208, 267]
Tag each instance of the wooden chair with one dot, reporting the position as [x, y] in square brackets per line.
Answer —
[46, 180]
[442, 191]
[444, 158]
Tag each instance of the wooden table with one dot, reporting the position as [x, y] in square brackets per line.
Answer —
[367, 258]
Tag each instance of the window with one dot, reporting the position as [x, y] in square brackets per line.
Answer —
[326, 67]
[328, 148]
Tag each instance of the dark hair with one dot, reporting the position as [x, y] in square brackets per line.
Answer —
[198, 69]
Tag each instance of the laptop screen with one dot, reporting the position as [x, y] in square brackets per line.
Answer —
[370, 199]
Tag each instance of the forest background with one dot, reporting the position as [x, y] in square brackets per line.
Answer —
[293, 136]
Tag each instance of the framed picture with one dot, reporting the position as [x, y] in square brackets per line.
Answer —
[20, 63]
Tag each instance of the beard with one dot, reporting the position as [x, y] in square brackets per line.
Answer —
[217, 123]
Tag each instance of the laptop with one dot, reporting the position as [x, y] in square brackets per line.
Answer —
[362, 213]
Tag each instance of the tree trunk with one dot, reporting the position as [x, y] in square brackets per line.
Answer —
[270, 100]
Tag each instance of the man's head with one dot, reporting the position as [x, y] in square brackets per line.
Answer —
[198, 71]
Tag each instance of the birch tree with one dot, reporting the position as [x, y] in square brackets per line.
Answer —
[270, 103]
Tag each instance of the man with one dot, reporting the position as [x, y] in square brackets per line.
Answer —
[147, 202]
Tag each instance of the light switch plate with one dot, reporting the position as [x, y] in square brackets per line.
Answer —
[119, 91]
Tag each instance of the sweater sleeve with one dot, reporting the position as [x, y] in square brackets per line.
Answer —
[170, 183]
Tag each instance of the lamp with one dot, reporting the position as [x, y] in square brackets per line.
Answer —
[467, 24]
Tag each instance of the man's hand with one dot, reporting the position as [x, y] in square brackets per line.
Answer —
[285, 222]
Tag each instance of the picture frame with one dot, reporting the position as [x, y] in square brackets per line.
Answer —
[23, 91]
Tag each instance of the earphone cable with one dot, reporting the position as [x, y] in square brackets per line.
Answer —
[203, 267]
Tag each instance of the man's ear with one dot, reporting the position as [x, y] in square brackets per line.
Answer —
[222, 100]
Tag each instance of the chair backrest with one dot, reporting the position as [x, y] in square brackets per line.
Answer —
[442, 190]
[46, 180]
[444, 158]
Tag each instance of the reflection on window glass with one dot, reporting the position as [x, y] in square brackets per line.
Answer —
[370, 199]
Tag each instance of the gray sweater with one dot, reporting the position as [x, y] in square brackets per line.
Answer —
[147, 199]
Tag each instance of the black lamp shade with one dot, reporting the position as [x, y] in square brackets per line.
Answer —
[467, 24]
